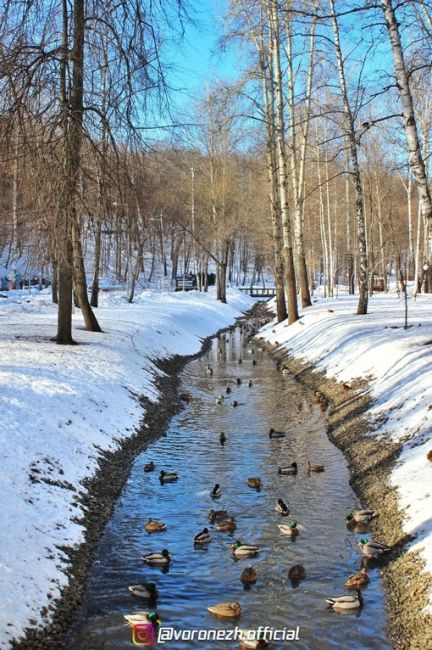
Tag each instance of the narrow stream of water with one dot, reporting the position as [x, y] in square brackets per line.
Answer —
[199, 578]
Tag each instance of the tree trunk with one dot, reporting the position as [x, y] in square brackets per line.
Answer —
[268, 96]
[54, 281]
[416, 160]
[290, 287]
[298, 159]
[80, 282]
[97, 258]
[355, 171]
[65, 285]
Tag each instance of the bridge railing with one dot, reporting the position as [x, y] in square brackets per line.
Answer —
[259, 292]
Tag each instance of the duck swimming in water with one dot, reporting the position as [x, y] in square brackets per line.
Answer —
[153, 526]
[288, 470]
[244, 550]
[313, 467]
[282, 507]
[226, 610]
[145, 591]
[216, 492]
[203, 537]
[371, 549]
[361, 516]
[168, 477]
[346, 602]
[161, 558]
[276, 434]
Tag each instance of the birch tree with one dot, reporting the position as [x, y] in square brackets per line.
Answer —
[350, 134]
[415, 157]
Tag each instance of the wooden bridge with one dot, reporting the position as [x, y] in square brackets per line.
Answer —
[259, 292]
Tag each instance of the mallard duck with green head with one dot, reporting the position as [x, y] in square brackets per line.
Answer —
[290, 530]
[343, 603]
[371, 549]
[143, 618]
[244, 550]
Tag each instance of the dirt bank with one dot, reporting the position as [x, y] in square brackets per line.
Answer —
[370, 462]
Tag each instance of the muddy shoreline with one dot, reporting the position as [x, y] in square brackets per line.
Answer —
[101, 493]
[370, 463]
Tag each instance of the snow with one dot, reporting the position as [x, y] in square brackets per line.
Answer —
[61, 406]
[398, 361]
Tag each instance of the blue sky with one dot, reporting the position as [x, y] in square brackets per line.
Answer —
[196, 60]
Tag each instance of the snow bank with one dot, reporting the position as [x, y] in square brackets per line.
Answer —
[347, 346]
[61, 404]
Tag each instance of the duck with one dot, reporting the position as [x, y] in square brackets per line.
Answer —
[203, 537]
[149, 467]
[217, 515]
[219, 399]
[252, 639]
[358, 580]
[282, 508]
[255, 482]
[289, 529]
[228, 390]
[146, 591]
[353, 601]
[168, 477]
[238, 380]
[226, 610]
[313, 467]
[154, 526]
[276, 434]
[209, 370]
[297, 573]
[372, 549]
[244, 550]
[222, 438]
[163, 557]
[227, 526]
[235, 403]
[254, 363]
[249, 575]
[361, 516]
[250, 383]
[143, 618]
[288, 470]
[216, 492]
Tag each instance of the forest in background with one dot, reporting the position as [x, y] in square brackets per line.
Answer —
[314, 163]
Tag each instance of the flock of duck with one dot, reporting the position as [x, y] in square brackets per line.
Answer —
[223, 521]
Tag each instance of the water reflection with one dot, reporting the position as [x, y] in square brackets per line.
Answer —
[199, 577]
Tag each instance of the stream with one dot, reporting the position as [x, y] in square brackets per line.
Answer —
[200, 577]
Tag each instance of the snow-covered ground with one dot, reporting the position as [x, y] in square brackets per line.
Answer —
[347, 346]
[61, 405]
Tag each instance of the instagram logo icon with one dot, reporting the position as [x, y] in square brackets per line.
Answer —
[143, 634]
